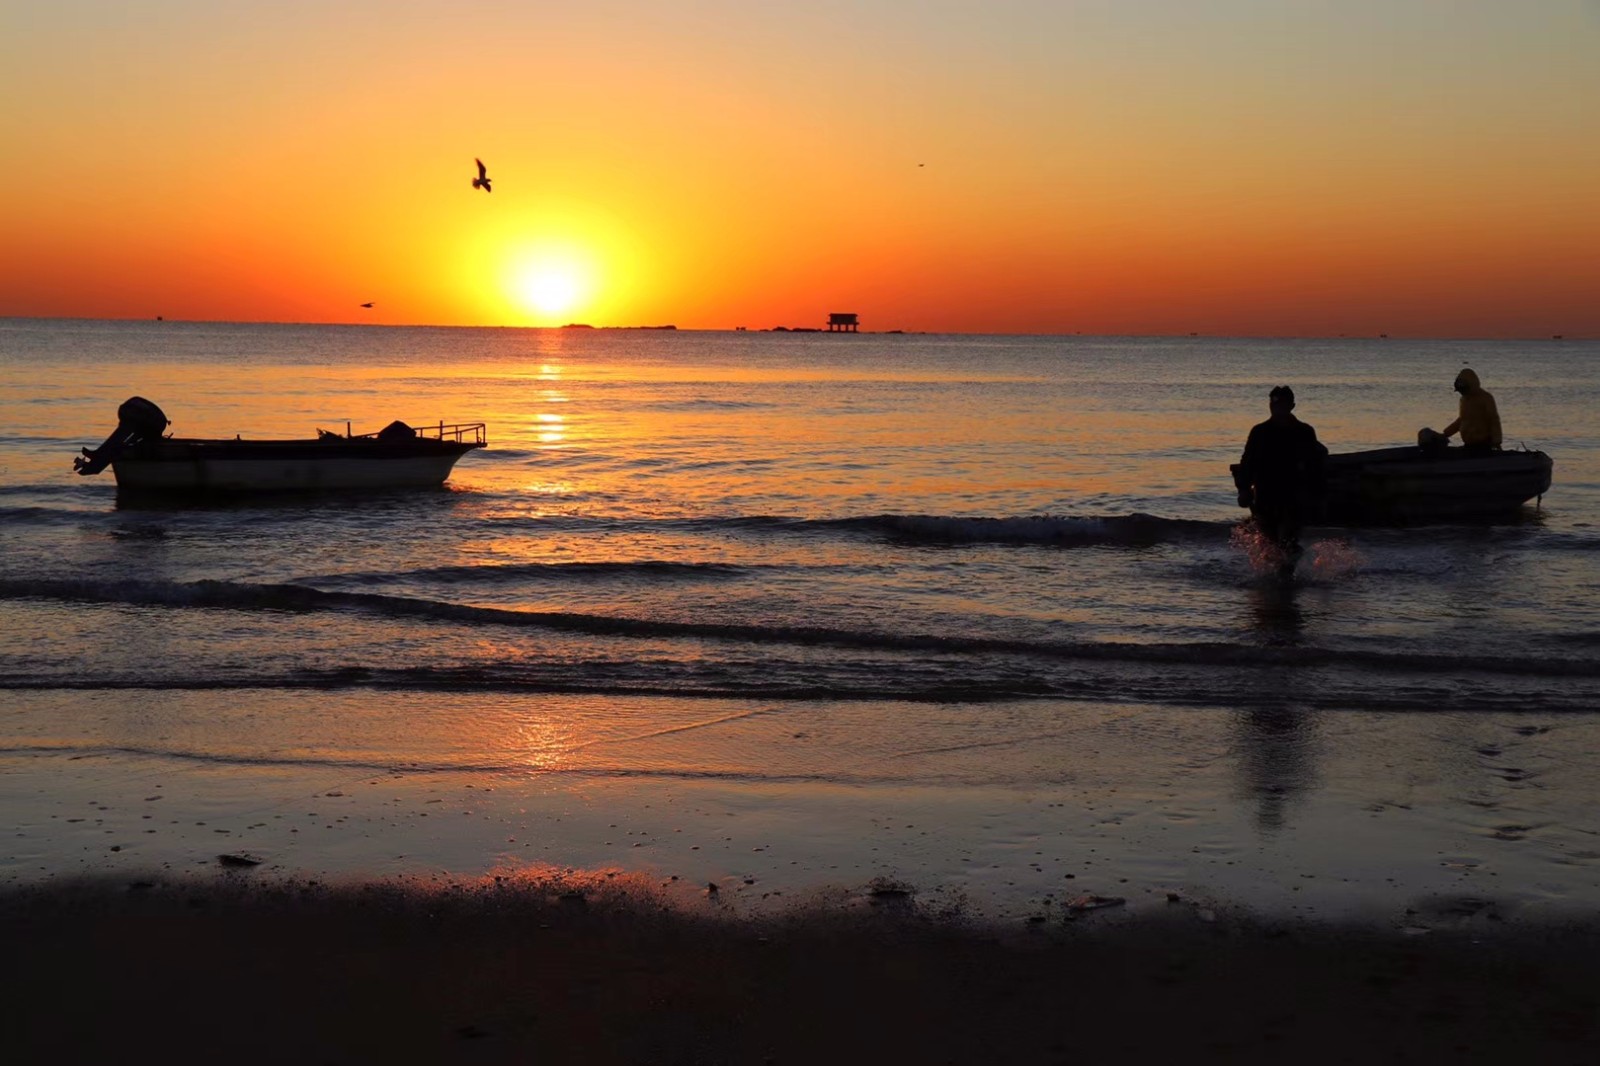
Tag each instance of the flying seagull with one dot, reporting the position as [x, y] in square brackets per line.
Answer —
[366, 305]
[482, 180]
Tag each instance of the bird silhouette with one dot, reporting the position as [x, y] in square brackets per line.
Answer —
[366, 305]
[482, 180]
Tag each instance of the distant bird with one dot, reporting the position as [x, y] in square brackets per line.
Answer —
[482, 180]
[366, 305]
[922, 164]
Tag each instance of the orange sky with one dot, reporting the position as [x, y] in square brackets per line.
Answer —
[1415, 167]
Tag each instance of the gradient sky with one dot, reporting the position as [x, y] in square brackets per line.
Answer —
[1264, 167]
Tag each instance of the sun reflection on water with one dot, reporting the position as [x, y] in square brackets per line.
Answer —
[551, 428]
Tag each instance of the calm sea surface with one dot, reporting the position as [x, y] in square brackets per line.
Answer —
[752, 557]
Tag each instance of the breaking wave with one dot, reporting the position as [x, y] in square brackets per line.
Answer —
[1131, 530]
[492, 573]
[238, 596]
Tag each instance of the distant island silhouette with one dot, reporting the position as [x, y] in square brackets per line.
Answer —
[585, 325]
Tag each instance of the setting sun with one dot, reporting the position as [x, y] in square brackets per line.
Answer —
[550, 292]
[551, 286]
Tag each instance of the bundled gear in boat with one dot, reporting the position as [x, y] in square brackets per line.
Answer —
[137, 420]
[396, 430]
[1479, 418]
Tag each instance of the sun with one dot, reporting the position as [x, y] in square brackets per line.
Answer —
[549, 291]
[552, 284]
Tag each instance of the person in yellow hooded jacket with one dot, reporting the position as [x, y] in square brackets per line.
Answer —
[1479, 420]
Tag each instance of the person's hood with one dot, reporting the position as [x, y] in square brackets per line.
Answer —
[1467, 380]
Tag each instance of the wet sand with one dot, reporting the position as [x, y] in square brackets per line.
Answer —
[1337, 817]
[1422, 891]
[226, 967]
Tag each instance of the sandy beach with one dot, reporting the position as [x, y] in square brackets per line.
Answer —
[322, 915]
[228, 968]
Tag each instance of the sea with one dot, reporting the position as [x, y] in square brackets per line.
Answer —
[976, 617]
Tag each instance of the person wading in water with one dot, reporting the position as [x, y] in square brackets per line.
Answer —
[1280, 473]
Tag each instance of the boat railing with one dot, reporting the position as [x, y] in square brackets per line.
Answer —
[459, 432]
[473, 433]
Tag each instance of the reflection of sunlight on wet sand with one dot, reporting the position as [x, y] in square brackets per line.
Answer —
[574, 886]
[649, 888]
[542, 744]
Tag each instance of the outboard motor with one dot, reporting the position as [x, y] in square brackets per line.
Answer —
[137, 420]
[1432, 442]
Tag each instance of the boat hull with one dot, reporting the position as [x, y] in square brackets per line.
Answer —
[1410, 486]
[201, 466]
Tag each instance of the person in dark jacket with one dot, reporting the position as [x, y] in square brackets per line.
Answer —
[1281, 473]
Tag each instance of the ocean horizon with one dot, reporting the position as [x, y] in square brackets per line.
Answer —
[668, 326]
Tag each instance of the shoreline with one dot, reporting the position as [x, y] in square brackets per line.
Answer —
[553, 970]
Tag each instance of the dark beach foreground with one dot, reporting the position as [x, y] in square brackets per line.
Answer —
[239, 971]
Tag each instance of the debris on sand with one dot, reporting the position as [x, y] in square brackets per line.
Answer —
[883, 890]
[1094, 903]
